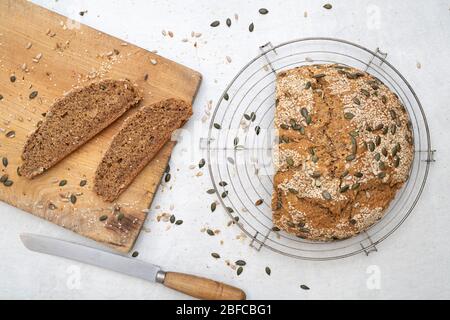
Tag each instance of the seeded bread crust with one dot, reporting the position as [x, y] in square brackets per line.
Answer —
[138, 141]
[73, 120]
[346, 147]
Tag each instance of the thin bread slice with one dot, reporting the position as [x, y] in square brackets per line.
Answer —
[74, 119]
[141, 137]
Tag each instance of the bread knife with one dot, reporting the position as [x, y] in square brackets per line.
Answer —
[194, 286]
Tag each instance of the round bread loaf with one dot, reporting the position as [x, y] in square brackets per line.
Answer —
[345, 148]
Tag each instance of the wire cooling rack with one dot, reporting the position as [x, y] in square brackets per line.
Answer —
[241, 138]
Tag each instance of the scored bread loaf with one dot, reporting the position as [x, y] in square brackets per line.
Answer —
[140, 138]
[74, 119]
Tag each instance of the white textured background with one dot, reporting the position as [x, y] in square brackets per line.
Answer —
[414, 262]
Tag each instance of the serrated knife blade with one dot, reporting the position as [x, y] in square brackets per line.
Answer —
[115, 262]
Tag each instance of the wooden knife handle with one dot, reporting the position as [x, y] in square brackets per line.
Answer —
[202, 288]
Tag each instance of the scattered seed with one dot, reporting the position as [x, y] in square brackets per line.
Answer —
[251, 27]
[201, 163]
[239, 270]
[326, 195]
[349, 115]
[393, 129]
[396, 161]
[213, 206]
[226, 96]
[120, 216]
[10, 134]
[217, 126]
[252, 116]
[381, 175]
[395, 149]
[167, 177]
[33, 95]
[230, 210]
[1, 97]
[103, 217]
[384, 99]
[263, 11]
[344, 174]
[289, 161]
[228, 22]
[350, 157]
[344, 189]
[365, 92]
[5, 161]
[308, 85]
[135, 254]
[355, 186]
[356, 101]
[73, 198]
[377, 157]
[319, 75]
[304, 287]
[371, 146]
[381, 165]
[304, 112]
[211, 191]
[223, 184]
[8, 183]
[359, 174]
[12, 78]
[3, 178]
[215, 255]
[384, 152]
[224, 194]
[172, 219]
[62, 183]
[308, 119]
[292, 190]
[215, 23]
[259, 202]
[210, 232]
[268, 271]
[257, 130]
[179, 222]
[83, 183]
[240, 262]
[377, 140]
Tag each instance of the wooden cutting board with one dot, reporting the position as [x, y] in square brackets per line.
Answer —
[51, 54]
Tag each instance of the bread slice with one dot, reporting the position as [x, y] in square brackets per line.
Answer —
[74, 119]
[141, 137]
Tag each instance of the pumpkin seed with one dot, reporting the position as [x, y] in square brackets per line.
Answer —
[178, 222]
[223, 184]
[10, 134]
[326, 195]
[251, 27]
[356, 101]
[377, 140]
[217, 126]
[167, 177]
[308, 85]
[5, 161]
[349, 115]
[240, 263]
[201, 163]
[135, 254]
[263, 11]
[355, 186]
[294, 191]
[396, 161]
[319, 75]
[83, 183]
[350, 157]
[228, 22]
[33, 95]
[73, 198]
[103, 217]
[215, 255]
[239, 270]
[371, 146]
[377, 157]
[215, 23]
[344, 188]
[210, 232]
[290, 162]
[381, 165]
[62, 183]
[259, 202]
[268, 271]
[213, 206]
[8, 183]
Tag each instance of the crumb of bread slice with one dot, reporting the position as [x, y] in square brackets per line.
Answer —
[73, 120]
[140, 138]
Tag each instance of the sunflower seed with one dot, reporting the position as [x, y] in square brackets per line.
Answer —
[304, 112]
[355, 186]
[62, 183]
[268, 271]
[83, 183]
[251, 27]
[211, 191]
[215, 23]
[395, 150]
[384, 152]
[120, 216]
[179, 222]
[344, 174]
[358, 174]
[230, 210]
[377, 140]
[215, 255]
[326, 195]
[371, 146]
[226, 96]
[228, 22]
[381, 165]
[365, 93]
[348, 115]
[223, 184]
[393, 114]
[33, 95]
[314, 158]
[393, 128]
[385, 130]
[344, 189]
[213, 206]
[73, 198]
[308, 119]
[356, 101]
[263, 11]
[284, 126]
[240, 263]
[167, 177]
[10, 134]
[210, 232]
[3, 178]
[12, 78]
[5, 161]
[224, 194]
[51, 206]
[315, 175]
[201, 163]
[239, 270]
[384, 99]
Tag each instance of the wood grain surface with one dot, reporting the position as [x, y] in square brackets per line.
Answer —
[45, 52]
